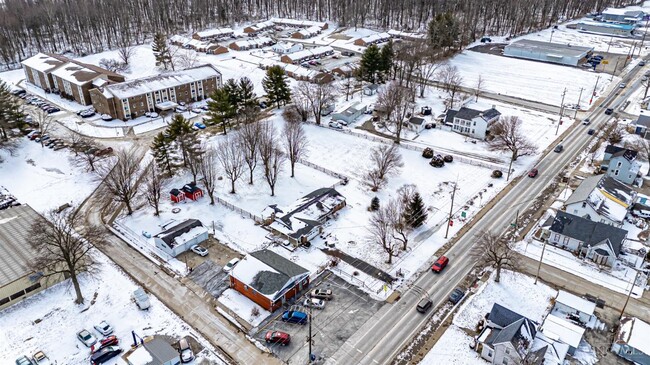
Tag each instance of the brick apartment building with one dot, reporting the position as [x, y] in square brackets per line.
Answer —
[134, 98]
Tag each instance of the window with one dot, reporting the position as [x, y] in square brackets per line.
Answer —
[17, 295]
[505, 361]
[474, 124]
[507, 352]
[473, 131]
[618, 164]
[566, 240]
[489, 353]
[33, 287]
[616, 172]
[4, 301]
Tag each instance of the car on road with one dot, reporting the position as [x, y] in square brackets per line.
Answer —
[280, 337]
[586, 121]
[104, 355]
[41, 359]
[533, 173]
[622, 85]
[186, 351]
[230, 265]
[199, 250]
[424, 305]
[440, 264]
[314, 303]
[104, 328]
[335, 125]
[24, 360]
[559, 148]
[456, 295]
[591, 132]
[294, 317]
[609, 111]
[86, 338]
[104, 342]
[321, 294]
[641, 63]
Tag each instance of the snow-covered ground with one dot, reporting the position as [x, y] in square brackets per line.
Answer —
[49, 320]
[243, 307]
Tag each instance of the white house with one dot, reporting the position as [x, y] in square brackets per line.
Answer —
[474, 121]
[573, 308]
[601, 199]
[286, 47]
[416, 124]
[181, 237]
[563, 330]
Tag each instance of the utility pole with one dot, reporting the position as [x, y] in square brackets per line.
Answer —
[309, 338]
[643, 39]
[629, 294]
[561, 112]
[551, 40]
[539, 266]
[594, 93]
[451, 210]
[613, 72]
[578, 106]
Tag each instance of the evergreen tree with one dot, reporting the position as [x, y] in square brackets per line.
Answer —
[276, 86]
[10, 114]
[247, 95]
[443, 32]
[161, 51]
[163, 153]
[220, 109]
[386, 56]
[370, 64]
[415, 213]
[180, 130]
[231, 87]
[374, 204]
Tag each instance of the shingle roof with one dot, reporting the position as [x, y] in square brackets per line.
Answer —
[502, 316]
[616, 151]
[466, 113]
[267, 272]
[15, 251]
[591, 233]
[169, 234]
[449, 117]
[416, 120]
[584, 189]
[279, 263]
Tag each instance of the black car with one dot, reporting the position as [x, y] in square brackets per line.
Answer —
[609, 111]
[104, 355]
[456, 295]
[591, 132]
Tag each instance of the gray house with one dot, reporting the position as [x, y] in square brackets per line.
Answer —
[601, 199]
[596, 241]
[642, 124]
[181, 237]
[623, 16]
[631, 341]
[350, 114]
[154, 351]
[621, 164]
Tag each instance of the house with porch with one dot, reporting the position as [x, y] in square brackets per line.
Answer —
[472, 120]
[596, 241]
[268, 279]
[621, 164]
[601, 198]
[631, 341]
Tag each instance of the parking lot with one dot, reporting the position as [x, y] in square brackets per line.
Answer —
[331, 326]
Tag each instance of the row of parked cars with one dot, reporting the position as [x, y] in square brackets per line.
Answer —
[35, 101]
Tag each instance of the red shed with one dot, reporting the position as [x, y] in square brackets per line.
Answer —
[177, 196]
[192, 191]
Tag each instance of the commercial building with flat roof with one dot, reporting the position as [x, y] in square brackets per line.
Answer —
[619, 30]
[565, 54]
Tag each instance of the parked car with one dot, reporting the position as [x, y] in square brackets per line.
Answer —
[104, 328]
[199, 250]
[24, 360]
[347, 53]
[586, 121]
[186, 351]
[342, 122]
[440, 264]
[314, 303]
[294, 317]
[335, 125]
[448, 158]
[181, 109]
[106, 117]
[230, 265]
[104, 342]
[197, 110]
[86, 338]
[104, 355]
[533, 173]
[424, 305]
[60, 146]
[609, 111]
[622, 85]
[321, 294]
[427, 153]
[53, 110]
[559, 148]
[41, 359]
[87, 113]
[141, 299]
[641, 63]
[456, 295]
[591, 132]
[282, 338]
[199, 125]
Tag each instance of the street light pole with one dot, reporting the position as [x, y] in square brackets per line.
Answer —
[594, 93]
[561, 112]
[614, 72]
[578, 106]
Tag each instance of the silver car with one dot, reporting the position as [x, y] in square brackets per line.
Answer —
[86, 338]
[314, 303]
[104, 328]
[199, 250]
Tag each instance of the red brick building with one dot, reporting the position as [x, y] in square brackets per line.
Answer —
[268, 279]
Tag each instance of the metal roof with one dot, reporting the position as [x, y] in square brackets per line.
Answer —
[562, 49]
[15, 250]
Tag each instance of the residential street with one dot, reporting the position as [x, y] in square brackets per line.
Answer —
[399, 322]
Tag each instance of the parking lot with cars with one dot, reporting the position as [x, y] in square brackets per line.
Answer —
[337, 309]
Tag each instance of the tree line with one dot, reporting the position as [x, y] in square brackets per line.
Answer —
[91, 26]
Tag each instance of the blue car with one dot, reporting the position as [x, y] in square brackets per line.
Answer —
[199, 125]
[294, 317]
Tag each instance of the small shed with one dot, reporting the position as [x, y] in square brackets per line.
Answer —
[192, 191]
[350, 114]
[176, 195]
[370, 90]
[416, 124]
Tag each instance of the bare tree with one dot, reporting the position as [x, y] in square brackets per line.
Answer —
[426, 71]
[646, 86]
[295, 143]
[113, 65]
[231, 158]
[186, 58]
[75, 140]
[62, 250]
[386, 161]
[86, 153]
[381, 231]
[126, 52]
[271, 155]
[508, 136]
[153, 188]
[494, 250]
[641, 145]
[249, 138]
[317, 95]
[121, 179]
[301, 105]
[291, 115]
[395, 213]
[480, 85]
[397, 102]
[209, 173]
[451, 81]
[45, 123]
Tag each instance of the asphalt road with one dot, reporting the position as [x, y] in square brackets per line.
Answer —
[393, 326]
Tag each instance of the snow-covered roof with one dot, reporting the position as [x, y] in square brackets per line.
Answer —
[575, 302]
[283, 45]
[567, 332]
[219, 32]
[376, 37]
[262, 25]
[317, 51]
[298, 23]
[182, 232]
[196, 44]
[295, 70]
[547, 48]
[635, 333]
[556, 351]
[399, 34]
[179, 39]
[629, 27]
[311, 31]
[255, 42]
[75, 74]
[608, 196]
[621, 11]
[167, 80]
[44, 62]
[140, 357]
[154, 351]
[15, 251]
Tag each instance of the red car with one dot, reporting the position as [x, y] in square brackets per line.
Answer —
[440, 264]
[533, 173]
[282, 338]
[104, 342]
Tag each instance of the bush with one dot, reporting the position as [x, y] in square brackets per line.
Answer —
[374, 204]
[497, 174]
[255, 312]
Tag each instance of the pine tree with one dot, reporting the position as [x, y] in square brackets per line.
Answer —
[231, 88]
[276, 87]
[180, 130]
[386, 56]
[163, 153]
[10, 114]
[370, 64]
[247, 95]
[220, 109]
[161, 51]
[374, 204]
[415, 213]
